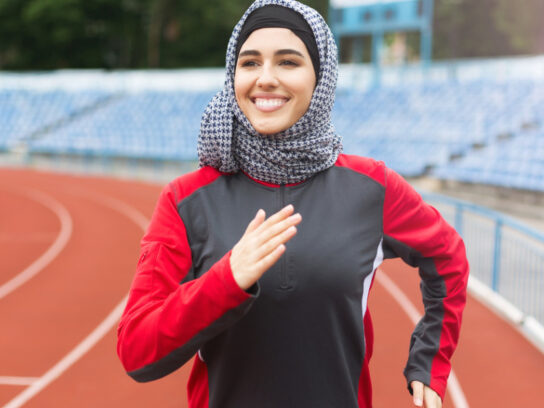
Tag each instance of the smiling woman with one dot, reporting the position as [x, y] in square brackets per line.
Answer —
[276, 308]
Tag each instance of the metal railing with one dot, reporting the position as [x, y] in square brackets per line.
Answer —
[503, 253]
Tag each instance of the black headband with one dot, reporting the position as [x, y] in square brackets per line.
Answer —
[282, 17]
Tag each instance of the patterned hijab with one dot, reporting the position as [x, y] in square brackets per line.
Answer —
[228, 141]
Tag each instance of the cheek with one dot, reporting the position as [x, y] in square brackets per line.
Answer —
[305, 91]
[237, 92]
[304, 98]
[241, 87]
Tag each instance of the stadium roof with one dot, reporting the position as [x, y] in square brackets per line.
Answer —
[350, 3]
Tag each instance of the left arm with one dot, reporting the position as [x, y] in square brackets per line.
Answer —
[416, 232]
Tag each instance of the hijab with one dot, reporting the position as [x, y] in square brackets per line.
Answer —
[229, 143]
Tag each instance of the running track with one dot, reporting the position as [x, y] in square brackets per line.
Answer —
[68, 247]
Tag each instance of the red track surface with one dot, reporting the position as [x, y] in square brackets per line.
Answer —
[44, 319]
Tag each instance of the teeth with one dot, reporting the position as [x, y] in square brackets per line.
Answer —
[267, 103]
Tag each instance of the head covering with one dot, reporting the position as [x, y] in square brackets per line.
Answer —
[283, 17]
[228, 141]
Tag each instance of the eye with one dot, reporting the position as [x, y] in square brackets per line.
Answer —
[289, 63]
[248, 63]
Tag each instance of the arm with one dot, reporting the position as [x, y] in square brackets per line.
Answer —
[417, 233]
[165, 322]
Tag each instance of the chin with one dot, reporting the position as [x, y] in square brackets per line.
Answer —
[270, 127]
[268, 131]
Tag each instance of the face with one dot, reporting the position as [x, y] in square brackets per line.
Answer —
[274, 79]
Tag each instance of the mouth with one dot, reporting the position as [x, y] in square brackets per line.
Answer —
[269, 104]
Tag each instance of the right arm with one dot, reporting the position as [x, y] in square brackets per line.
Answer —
[165, 322]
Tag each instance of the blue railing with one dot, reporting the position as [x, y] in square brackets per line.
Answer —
[503, 253]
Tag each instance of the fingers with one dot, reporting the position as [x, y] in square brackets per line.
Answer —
[417, 388]
[275, 231]
[274, 242]
[260, 232]
[277, 217]
[431, 398]
[266, 262]
[262, 245]
[423, 394]
[274, 224]
[268, 233]
[256, 221]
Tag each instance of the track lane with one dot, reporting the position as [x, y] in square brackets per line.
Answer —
[62, 304]
[453, 387]
[26, 236]
[100, 368]
[121, 389]
[49, 314]
[52, 251]
[392, 331]
[495, 364]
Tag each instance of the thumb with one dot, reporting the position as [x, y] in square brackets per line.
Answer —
[417, 388]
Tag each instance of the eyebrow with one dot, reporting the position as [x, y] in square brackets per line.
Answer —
[256, 53]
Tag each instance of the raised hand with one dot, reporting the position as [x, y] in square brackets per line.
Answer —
[262, 244]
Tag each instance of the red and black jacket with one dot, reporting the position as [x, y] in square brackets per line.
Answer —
[300, 337]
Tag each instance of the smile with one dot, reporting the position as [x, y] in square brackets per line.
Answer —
[269, 104]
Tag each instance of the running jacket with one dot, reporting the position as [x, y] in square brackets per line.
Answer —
[302, 335]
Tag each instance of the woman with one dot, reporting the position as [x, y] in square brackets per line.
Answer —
[275, 308]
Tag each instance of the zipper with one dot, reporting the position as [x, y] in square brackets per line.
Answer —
[284, 283]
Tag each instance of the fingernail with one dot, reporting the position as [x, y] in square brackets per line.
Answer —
[418, 402]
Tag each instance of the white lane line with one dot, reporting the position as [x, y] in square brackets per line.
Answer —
[97, 334]
[455, 390]
[51, 253]
[6, 380]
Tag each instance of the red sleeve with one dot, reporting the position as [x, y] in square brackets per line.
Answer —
[166, 322]
[416, 232]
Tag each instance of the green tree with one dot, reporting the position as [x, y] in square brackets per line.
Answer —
[521, 23]
[194, 35]
[49, 34]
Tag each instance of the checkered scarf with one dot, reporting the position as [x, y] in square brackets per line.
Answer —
[228, 141]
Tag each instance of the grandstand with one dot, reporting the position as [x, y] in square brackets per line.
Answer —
[145, 125]
[26, 114]
[416, 128]
[517, 162]
[478, 129]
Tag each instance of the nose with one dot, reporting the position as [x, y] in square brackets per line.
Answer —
[267, 77]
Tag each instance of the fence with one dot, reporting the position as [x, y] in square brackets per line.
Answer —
[505, 255]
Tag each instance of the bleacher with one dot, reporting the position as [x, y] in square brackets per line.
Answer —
[514, 163]
[149, 125]
[25, 114]
[416, 128]
[477, 131]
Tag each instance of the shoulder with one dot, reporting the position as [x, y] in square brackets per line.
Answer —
[374, 169]
[188, 183]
